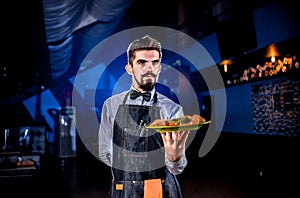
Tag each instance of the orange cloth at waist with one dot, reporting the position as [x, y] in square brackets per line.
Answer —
[153, 188]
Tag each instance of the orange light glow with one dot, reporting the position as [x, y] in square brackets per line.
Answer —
[272, 51]
[273, 59]
[225, 68]
[225, 64]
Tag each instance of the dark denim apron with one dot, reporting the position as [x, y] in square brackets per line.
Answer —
[133, 150]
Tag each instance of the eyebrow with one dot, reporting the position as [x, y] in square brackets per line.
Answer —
[144, 61]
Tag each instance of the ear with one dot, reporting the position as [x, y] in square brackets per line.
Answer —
[128, 68]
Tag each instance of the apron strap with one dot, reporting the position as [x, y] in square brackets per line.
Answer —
[125, 98]
[155, 98]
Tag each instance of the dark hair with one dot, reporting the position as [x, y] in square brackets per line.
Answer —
[145, 43]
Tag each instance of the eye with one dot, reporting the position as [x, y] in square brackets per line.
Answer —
[155, 63]
[141, 62]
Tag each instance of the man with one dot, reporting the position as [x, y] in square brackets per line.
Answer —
[144, 163]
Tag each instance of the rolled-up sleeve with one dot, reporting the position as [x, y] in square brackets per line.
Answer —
[176, 167]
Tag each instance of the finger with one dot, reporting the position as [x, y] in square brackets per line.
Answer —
[185, 135]
[163, 136]
[169, 137]
[182, 136]
[175, 136]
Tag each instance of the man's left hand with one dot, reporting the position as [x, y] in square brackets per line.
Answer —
[174, 144]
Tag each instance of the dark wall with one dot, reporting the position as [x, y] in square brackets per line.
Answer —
[24, 61]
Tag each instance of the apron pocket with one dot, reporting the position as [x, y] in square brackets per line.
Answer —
[132, 189]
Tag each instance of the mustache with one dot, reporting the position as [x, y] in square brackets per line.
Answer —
[149, 74]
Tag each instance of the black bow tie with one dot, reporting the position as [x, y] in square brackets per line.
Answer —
[134, 94]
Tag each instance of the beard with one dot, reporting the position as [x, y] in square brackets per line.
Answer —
[147, 86]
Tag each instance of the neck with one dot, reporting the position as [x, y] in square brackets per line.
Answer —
[138, 88]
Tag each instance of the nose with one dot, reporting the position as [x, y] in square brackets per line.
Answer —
[148, 66]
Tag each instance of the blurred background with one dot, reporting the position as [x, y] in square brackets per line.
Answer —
[254, 44]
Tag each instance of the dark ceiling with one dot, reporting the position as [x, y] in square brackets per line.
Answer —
[26, 67]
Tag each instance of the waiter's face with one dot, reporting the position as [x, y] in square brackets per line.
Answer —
[145, 69]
